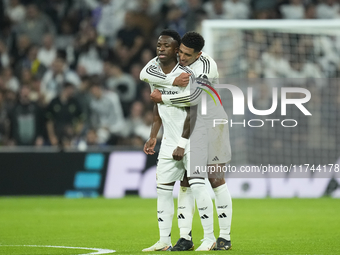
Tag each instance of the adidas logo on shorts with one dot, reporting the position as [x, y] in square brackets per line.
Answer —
[196, 172]
[215, 158]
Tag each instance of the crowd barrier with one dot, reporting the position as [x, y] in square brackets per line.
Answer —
[115, 173]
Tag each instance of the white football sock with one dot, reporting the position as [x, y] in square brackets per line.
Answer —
[185, 212]
[204, 205]
[224, 210]
[165, 211]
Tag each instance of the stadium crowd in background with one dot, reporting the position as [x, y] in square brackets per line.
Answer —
[69, 69]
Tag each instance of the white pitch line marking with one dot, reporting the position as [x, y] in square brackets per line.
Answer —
[98, 250]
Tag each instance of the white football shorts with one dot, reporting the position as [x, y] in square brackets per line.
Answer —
[219, 151]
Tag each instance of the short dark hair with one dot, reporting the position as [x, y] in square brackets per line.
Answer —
[95, 81]
[193, 40]
[68, 85]
[172, 33]
[62, 54]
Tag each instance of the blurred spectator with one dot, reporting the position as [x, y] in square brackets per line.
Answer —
[7, 35]
[301, 70]
[145, 97]
[149, 7]
[20, 52]
[10, 99]
[194, 14]
[129, 41]
[26, 121]
[215, 9]
[11, 82]
[236, 9]
[274, 62]
[56, 10]
[31, 63]
[56, 76]
[35, 25]
[175, 20]
[328, 9]
[142, 130]
[85, 5]
[84, 98]
[47, 53]
[65, 38]
[91, 138]
[15, 11]
[90, 47]
[146, 55]
[123, 84]
[250, 62]
[4, 57]
[310, 12]
[64, 117]
[106, 115]
[136, 68]
[109, 16]
[3, 120]
[35, 94]
[146, 16]
[135, 117]
[26, 77]
[329, 58]
[2, 13]
[263, 7]
[293, 10]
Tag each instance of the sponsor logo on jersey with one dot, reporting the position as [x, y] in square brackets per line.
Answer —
[168, 92]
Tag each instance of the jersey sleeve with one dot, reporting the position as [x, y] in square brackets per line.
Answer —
[189, 97]
[151, 75]
[206, 67]
[206, 70]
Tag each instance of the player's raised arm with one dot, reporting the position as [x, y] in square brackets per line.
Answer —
[156, 125]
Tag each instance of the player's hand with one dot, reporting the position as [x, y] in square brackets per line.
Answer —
[156, 96]
[149, 146]
[182, 80]
[178, 154]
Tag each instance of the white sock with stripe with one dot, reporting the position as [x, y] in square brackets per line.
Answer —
[204, 205]
[185, 212]
[165, 211]
[224, 210]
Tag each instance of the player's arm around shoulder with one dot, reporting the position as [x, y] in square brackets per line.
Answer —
[182, 99]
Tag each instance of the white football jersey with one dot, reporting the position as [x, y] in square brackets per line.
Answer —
[173, 118]
[204, 67]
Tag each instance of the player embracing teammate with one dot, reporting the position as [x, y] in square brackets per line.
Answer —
[192, 61]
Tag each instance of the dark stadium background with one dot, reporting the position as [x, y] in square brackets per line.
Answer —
[54, 51]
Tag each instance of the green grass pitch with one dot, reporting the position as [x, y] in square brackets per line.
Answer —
[259, 226]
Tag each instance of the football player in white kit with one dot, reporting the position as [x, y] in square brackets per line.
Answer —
[176, 151]
[219, 151]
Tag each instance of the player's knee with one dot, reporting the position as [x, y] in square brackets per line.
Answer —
[216, 182]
